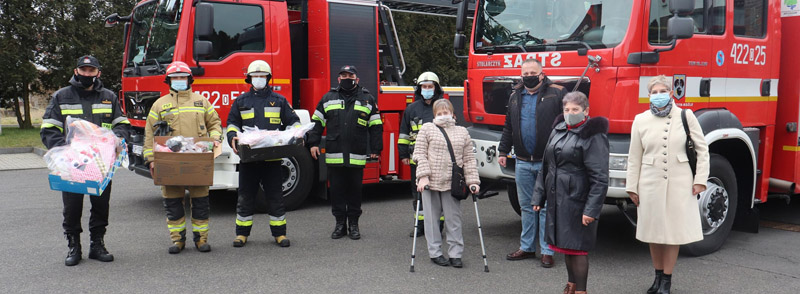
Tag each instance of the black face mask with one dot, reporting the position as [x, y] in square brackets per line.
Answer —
[530, 81]
[347, 84]
[85, 81]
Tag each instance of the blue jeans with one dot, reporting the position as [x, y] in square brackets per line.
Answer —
[532, 221]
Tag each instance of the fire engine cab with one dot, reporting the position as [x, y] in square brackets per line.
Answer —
[730, 61]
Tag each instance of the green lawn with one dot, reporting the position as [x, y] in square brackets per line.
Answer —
[14, 137]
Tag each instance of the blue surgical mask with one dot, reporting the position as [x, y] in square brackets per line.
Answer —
[259, 83]
[179, 85]
[427, 93]
[659, 100]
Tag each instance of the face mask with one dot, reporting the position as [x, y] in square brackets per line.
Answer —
[182, 85]
[443, 119]
[259, 83]
[347, 84]
[427, 93]
[574, 118]
[530, 81]
[85, 81]
[659, 100]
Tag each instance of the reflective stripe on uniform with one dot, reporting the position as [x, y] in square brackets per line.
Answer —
[296, 125]
[248, 114]
[52, 123]
[192, 109]
[71, 109]
[210, 109]
[170, 111]
[319, 116]
[334, 158]
[277, 221]
[414, 126]
[367, 106]
[404, 139]
[214, 134]
[272, 112]
[361, 108]
[357, 159]
[177, 228]
[153, 114]
[375, 119]
[244, 221]
[120, 120]
[200, 228]
[333, 104]
[234, 128]
[147, 152]
[101, 108]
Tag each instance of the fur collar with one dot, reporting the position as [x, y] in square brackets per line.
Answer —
[593, 126]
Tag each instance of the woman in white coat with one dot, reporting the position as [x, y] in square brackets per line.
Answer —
[660, 181]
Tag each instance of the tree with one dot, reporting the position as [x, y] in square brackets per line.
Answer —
[427, 43]
[18, 40]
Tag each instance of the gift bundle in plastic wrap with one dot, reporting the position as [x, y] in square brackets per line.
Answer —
[89, 154]
[257, 138]
[183, 144]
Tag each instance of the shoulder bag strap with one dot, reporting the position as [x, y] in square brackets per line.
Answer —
[685, 124]
[449, 145]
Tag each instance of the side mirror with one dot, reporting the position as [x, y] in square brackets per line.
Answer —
[681, 7]
[203, 20]
[680, 27]
[202, 48]
[461, 16]
[111, 20]
[459, 41]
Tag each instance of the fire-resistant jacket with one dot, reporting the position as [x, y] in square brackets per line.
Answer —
[99, 106]
[264, 109]
[354, 125]
[188, 114]
[416, 114]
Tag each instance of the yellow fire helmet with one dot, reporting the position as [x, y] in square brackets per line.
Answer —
[259, 66]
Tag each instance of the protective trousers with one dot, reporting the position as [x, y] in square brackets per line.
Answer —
[345, 191]
[176, 216]
[73, 209]
[253, 176]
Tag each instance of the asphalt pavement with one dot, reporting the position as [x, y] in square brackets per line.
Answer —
[32, 250]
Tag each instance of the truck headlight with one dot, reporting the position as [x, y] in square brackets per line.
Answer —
[617, 162]
[616, 183]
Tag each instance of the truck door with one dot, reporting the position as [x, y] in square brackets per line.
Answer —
[688, 64]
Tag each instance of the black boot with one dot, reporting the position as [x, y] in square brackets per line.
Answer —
[420, 229]
[441, 226]
[666, 283]
[74, 254]
[97, 250]
[353, 228]
[656, 283]
[341, 228]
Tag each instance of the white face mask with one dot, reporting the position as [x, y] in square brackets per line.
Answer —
[443, 119]
[259, 82]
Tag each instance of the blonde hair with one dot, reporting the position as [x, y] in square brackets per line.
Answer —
[443, 103]
[659, 80]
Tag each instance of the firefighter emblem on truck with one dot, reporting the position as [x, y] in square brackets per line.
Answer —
[679, 86]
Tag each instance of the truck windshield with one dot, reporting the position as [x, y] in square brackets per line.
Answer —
[533, 25]
[153, 32]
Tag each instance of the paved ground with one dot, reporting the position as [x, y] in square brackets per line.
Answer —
[21, 161]
[33, 249]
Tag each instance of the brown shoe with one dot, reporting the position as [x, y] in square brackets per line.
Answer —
[570, 288]
[547, 261]
[520, 255]
[580, 292]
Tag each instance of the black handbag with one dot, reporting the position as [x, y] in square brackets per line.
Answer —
[691, 153]
[458, 185]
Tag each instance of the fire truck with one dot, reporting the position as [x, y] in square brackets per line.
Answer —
[731, 62]
[305, 42]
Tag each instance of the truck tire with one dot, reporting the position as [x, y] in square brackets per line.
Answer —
[513, 198]
[717, 207]
[298, 178]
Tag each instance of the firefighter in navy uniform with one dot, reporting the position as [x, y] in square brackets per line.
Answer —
[188, 114]
[418, 113]
[355, 130]
[85, 98]
[267, 110]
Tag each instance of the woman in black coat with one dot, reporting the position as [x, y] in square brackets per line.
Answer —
[573, 183]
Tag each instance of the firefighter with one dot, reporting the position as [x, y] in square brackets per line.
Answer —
[188, 114]
[85, 98]
[355, 130]
[417, 113]
[267, 110]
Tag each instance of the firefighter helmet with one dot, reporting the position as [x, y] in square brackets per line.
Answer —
[428, 77]
[178, 69]
[259, 66]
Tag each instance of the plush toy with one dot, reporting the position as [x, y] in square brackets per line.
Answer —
[89, 155]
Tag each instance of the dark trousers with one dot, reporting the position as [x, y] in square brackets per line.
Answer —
[73, 209]
[345, 191]
[252, 176]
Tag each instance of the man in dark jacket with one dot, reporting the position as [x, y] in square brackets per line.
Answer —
[355, 129]
[532, 108]
[87, 99]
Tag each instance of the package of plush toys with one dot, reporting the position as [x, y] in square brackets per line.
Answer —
[183, 144]
[256, 138]
[90, 156]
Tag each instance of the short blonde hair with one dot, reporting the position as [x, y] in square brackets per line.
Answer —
[443, 103]
[659, 80]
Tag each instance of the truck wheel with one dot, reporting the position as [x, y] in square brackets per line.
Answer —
[717, 207]
[513, 198]
[298, 177]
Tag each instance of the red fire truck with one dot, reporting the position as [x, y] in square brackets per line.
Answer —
[305, 42]
[731, 62]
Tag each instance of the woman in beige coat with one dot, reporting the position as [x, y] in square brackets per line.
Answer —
[434, 170]
[660, 181]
